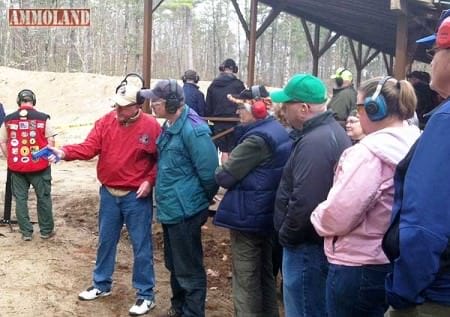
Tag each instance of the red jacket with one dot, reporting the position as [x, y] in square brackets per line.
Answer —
[127, 153]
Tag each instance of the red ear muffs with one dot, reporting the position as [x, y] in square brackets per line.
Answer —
[259, 109]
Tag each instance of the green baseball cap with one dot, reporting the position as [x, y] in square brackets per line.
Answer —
[301, 87]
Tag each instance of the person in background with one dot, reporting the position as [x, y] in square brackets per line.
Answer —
[343, 101]
[305, 182]
[23, 132]
[184, 188]
[427, 99]
[251, 175]
[194, 98]
[125, 142]
[218, 105]
[417, 241]
[353, 127]
[356, 213]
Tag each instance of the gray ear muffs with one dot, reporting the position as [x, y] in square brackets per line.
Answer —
[172, 100]
[139, 99]
[255, 92]
[375, 106]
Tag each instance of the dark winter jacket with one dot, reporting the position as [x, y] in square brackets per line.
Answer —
[342, 103]
[307, 179]
[249, 203]
[217, 103]
[194, 98]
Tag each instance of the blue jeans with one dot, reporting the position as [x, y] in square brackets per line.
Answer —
[305, 270]
[357, 290]
[136, 214]
[183, 257]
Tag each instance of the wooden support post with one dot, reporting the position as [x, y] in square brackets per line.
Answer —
[147, 55]
[252, 43]
[401, 42]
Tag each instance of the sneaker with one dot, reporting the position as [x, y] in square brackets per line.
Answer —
[92, 293]
[47, 235]
[26, 238]
[142, 307]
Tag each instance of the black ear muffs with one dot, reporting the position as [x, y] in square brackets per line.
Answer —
[233, 68]
[26, 95]
[172, 100]
[139, 99]
[339, 80]
[255, 92]
[375, 106]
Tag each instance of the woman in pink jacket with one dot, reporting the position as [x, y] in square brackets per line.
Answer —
[357, 211]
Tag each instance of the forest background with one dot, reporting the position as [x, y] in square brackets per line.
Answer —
[187, 34]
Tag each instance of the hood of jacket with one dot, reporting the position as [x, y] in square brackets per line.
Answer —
[391, 144]
[223, 80]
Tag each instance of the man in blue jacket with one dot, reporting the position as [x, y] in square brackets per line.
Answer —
[193, 97]
[185, 185]
[420, 282]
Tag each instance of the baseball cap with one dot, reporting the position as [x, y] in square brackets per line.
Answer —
[301, 87]
[162, 90]
[126, 95]
[441, 37]
[343, 73]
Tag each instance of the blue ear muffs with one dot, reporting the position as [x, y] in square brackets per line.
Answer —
[375, 106]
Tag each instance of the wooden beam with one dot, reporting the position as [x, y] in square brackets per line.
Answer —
[270, 18]
[399, 6]
[252, 43]
[401, 47]
[241, 18]
[147, 54]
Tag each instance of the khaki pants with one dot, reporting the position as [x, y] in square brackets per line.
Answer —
[428, 309]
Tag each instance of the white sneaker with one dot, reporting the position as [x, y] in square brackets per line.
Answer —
[92, 293]
[142, 306]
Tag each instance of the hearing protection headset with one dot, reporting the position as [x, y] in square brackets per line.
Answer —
[375, 106]
[255, 92]
[172, 99]
[339, 80]
[259, 109]
[230, 64]
[190, 74]
[139, 99]
[26, 95]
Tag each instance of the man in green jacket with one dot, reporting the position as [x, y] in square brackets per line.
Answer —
[344, 95]
[187, 160]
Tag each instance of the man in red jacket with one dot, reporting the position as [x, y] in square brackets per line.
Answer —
[125, 142]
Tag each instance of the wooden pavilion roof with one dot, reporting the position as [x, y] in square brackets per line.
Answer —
[371, 22]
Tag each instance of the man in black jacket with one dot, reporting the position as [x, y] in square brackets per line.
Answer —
[218, 105]
[307, 178]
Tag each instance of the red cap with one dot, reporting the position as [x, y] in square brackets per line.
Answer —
[443, 34]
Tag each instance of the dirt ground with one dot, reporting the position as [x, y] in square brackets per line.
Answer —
[43, 277]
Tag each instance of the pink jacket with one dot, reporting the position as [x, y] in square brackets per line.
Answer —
[357, 211]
